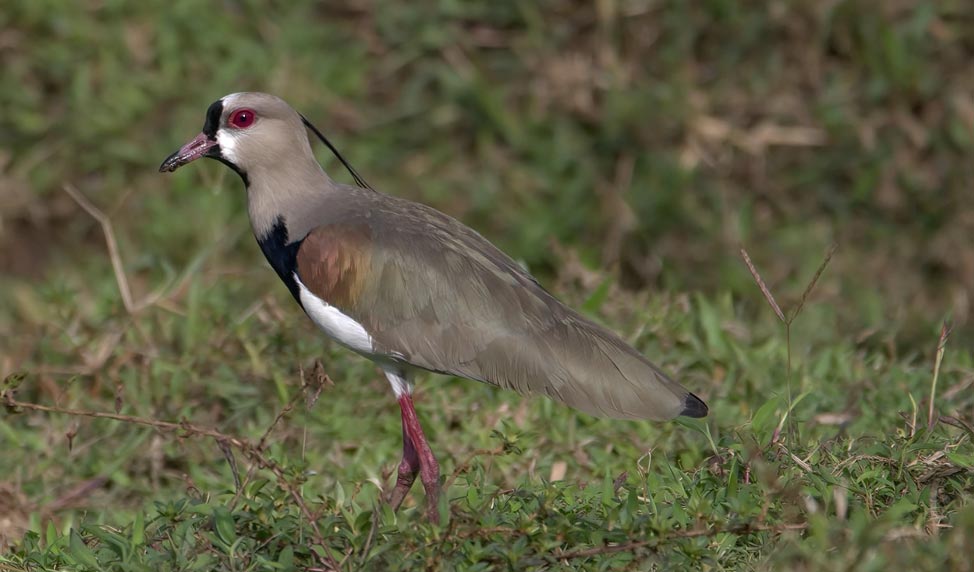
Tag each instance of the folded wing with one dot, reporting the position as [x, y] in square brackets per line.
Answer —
[433, 293]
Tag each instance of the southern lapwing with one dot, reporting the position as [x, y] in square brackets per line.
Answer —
[413, 289]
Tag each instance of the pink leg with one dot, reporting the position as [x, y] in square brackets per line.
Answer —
[429, 469]
[408, 469]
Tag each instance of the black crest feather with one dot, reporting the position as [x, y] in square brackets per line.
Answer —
[358, 178]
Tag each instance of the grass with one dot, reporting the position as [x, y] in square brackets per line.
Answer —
[624, 152]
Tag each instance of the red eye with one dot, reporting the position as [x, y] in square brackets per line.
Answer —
[242, 118]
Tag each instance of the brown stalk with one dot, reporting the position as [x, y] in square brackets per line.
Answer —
[746, 528]
[249, 450]
[959, 423]
[811, 285]
[262, 444]
[131, 306]
[764, 288]
[787, 321]
[465, 464]
[945, 329]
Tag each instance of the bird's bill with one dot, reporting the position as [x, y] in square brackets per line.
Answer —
[201, 146]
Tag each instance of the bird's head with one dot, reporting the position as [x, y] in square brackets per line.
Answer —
[246, 132]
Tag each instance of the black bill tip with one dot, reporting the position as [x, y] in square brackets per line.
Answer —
[201, 146]
[170, 164]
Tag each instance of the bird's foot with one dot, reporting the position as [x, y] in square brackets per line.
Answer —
[433, 503]
[404, 482]
[408, 469]
[430, 473]
[417, 457]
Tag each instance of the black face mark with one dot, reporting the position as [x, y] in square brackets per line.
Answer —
[282, 256]
[215, 153]
[210, 127]
[212, 123]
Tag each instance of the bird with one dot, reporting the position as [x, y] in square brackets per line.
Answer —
[415, 290]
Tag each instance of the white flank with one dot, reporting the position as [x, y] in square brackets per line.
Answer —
[400, 385]
[333, 322]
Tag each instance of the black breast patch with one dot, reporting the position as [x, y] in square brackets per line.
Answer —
[282, 256]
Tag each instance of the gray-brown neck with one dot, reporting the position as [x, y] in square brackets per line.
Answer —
[292, 186]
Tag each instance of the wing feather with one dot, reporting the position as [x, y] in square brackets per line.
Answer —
[436, 295]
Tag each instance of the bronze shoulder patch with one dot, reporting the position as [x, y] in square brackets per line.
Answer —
[333, 263]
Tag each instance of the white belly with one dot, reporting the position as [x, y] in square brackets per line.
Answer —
[334, 323]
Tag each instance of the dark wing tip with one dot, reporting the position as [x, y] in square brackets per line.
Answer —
[693, 406]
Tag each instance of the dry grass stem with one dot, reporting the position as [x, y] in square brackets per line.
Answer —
[306, 387]
[131, 306]
[764, 288]
[959, 423]
[465, 464]
[814, 281]
[188, 429]
[941, 348]
[746, 528]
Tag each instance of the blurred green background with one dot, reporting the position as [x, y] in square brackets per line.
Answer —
[646, 138]
[624, 150]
